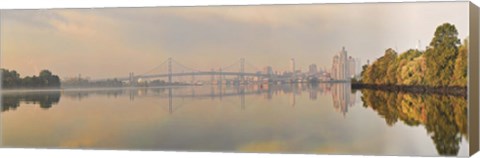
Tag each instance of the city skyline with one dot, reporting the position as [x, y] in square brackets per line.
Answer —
[103, 43]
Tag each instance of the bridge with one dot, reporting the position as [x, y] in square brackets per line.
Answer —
[171, 69]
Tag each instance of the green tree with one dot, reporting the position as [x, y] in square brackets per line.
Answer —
[366, 73]
[461, 66]
[380, 67]
[47, 79]
[11, 79]
[392, 66]
[404, 71]
[441, 55]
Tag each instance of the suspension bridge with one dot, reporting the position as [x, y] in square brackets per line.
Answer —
[171, 69]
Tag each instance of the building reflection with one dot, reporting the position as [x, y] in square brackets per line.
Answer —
[341, 94]
[342, 97]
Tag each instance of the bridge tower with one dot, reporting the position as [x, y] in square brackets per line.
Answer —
[170, 100]
[242, 98]
[242, 70]
[169, 71]
[131, 78]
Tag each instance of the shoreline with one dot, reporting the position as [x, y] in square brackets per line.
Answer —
[447, 90]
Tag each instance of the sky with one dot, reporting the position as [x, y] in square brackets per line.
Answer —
[112, 42]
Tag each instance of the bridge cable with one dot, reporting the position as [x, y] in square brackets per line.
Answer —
[229, 66]
[253, 66]
[185, 67]
[155, 68]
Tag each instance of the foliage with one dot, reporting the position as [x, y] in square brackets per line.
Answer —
[12, 79]
[441, 56]
[443, 64]
[461, 66]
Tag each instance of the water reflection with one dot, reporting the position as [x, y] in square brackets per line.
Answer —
[444, 117]
[341, 94]
[44, 100]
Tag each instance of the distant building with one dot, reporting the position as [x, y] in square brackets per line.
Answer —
[312, 69]
[358, 67]
[343, 67]
[351, 67]
[292, 65]
[268, 70]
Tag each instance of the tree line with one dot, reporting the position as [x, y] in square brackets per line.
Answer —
[442, 64]
[11, 80]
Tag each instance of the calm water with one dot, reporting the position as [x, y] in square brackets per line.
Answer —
[326, 118]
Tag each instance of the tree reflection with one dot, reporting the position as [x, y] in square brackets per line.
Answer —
[444, 117]
[44, 100]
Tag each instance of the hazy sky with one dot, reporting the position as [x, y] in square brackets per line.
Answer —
[113, 42]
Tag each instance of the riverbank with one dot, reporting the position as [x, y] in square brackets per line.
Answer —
[450, 90]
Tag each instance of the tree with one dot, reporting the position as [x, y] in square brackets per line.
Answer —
[11, 79]
[441, 55]
[407, 66]
[380, 67]
[366, 73]
[461, 66]
[47, 79]
[392, 66]
[45, 74]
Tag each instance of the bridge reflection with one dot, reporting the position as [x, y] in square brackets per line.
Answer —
[341, 94]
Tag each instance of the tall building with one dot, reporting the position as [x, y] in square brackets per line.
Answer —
[335, 63]
[312, 69]
[268, 70]
[351, 67]
[292, 66]
[342, 65]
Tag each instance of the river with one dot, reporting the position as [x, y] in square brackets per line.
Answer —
[299, 118]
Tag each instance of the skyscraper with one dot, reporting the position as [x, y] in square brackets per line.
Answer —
[268, 70]
[292, 66]
[312, 69]
[351, 67]
[335, 68]
[342, 65]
